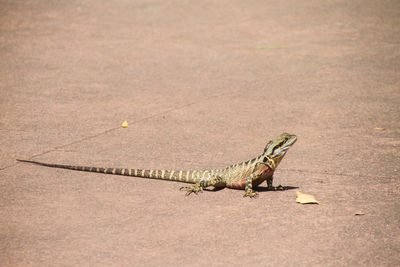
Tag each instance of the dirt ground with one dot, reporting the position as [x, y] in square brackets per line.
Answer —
[202, 84]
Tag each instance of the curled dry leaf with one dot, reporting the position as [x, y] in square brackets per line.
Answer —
[305, 198]
[379, 129]
[124, 124]
[358, 213]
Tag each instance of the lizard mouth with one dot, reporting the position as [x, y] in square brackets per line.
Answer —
[281, 151]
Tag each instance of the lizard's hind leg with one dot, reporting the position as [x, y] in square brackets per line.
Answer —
[198, 187]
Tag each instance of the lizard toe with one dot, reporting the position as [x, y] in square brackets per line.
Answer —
[192, 189]
[251, 194]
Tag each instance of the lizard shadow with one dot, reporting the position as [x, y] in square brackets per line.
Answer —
[285, 188]
[258, 188]
[215, 189]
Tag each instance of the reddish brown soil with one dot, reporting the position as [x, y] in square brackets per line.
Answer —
[202, 84]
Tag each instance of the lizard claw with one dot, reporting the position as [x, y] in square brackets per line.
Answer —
[280, 188]
[277, 188]
[251, 194]
[196, 188]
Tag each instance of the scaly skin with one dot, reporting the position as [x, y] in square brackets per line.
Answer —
[245, 175]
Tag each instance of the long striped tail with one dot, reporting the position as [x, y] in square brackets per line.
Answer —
[170, 175]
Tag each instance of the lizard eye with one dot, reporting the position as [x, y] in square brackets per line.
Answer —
[265, 159]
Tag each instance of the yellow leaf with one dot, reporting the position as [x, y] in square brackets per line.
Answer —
[379, 129]
[124, 124]
[358, 213]
[305, 198]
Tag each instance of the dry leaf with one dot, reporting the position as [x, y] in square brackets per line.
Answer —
[124, 124]
[379, 129]
[358, 213]
[305, 198]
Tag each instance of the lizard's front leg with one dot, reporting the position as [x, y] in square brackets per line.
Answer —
[271, 187]
[249, 187]
[198, 187]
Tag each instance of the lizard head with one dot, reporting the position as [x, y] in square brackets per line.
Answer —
[276, 149]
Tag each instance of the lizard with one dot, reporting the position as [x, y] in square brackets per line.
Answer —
[245, 175]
